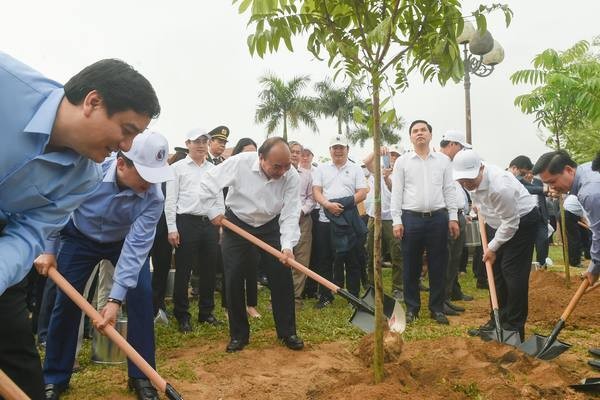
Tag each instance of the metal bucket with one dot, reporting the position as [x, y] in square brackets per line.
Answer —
[104, 351]
[472, 236]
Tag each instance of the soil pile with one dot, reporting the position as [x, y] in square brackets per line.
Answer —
[392, 348]
[459, 368]
[548, 297]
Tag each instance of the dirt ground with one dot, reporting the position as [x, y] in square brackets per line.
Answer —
[446, 368]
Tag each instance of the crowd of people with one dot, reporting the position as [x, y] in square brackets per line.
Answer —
[85, 184]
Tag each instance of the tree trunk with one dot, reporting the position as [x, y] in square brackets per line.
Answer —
[339, 118]
[377, 276]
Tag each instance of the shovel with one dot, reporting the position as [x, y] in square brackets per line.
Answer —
[9, 390]
[499, 334]
[590, 385]
[548, 347]
[364, 310]
[113, 335]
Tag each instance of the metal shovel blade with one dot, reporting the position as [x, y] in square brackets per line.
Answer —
[506, 336]
[590, 385]
[392, 309]
[534, 346]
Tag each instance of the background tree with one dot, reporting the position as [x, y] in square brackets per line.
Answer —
[390, 128]
[283, 102]
[369, 38]
[566, 99]
[338, 102]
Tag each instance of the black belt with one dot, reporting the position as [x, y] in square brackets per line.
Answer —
[202, 218]
[425, 214]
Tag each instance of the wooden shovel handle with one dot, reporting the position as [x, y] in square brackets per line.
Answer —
[488, 264]
[578, 294]
[9, 390]
[278, 254]
[109, 331]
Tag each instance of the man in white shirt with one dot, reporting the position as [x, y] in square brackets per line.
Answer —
[263, 199]
[452, 142]
[387, 236]
[511, 215]
[337, 183]
[190, 232]
[307, 202]
[424, 210]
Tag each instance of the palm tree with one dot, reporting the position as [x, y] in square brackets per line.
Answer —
[337, 102]
[283, 102]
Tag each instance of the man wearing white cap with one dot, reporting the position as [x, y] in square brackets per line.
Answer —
[117, 222]
[452, 142]
[195, 239]
[511, 215]
[389, 156]
[338, 186]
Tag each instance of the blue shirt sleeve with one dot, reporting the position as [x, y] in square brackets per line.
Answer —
[136, 248]
[25, 235]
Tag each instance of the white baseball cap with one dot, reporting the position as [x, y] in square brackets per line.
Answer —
[458, 137]
[149, 153]
[196, 134]
[396, 149]
[338, 141]
[466, 165]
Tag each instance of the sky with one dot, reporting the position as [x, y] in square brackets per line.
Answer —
[195, 55]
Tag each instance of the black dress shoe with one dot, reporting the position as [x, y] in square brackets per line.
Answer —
[236, 345]
[450, 311]
[323, 303]
[52, 391]
[595, 352]
[185, 326]
[143, 389]
[210, 319]
[488, 326]
[453, 306]
[411, 317]
[466, 297]
[292, 342]
[440, 318]
[594, 363]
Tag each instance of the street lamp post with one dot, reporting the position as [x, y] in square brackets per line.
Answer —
[480, 57]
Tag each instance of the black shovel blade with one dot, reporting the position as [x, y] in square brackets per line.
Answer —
[534, 346]
[363, 320]
[172, 394]
[388, 301]
[590, 385]
[506, 336]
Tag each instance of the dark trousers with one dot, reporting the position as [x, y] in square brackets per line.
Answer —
[336, 268]
[161, 262]
[455, 257]
[76, 260]
[478, 267]
[19, 358]
[199, 242]
[239, 255]
[511, 272]
[541, 242]
[578, 239]
[425, 233]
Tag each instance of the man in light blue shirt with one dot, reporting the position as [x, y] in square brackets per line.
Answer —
[117, 222]
[561, 173]
[51, 137]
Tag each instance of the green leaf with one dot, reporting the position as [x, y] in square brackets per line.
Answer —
[244, 6]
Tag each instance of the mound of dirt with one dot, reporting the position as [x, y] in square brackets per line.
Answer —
[459, 368]
[392, 348]
[549, 296]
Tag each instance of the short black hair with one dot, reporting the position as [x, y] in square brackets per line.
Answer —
[122, 88]
[596, 163]
[420, 121]
[243, 142]
[554, 162]
[128, 162]
[268, 144]
[521, 162]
